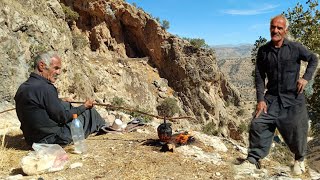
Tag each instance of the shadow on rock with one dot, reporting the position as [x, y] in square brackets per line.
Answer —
[17, 171]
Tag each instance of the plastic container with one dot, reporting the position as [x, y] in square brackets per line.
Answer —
[78, 135]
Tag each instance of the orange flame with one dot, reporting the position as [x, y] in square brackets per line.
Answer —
[182, 138]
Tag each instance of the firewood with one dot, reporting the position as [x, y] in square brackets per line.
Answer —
[168, 147]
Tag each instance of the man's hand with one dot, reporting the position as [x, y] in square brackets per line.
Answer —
[301, 84]
[261, 106]
[89, 103]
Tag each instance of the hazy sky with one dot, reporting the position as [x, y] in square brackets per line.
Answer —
[218, 21]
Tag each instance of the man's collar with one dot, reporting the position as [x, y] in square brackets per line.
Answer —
[284, 43]
[37, 76]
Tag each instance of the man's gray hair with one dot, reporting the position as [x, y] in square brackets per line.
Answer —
[45, 57]
[282, 16]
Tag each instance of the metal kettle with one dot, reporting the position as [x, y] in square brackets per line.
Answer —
[164, 131]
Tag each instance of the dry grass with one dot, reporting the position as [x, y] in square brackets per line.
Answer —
[2, 150]
[117, 156]
[2, 157]
[126, 156]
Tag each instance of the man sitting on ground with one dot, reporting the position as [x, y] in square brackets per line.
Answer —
[44, 117]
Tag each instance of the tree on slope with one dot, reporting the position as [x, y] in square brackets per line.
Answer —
[305, 28]
[259, 42]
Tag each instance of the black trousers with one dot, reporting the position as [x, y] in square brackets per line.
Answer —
[292, 123]
[90, 119]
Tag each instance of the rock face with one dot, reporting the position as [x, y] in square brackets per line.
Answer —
[112, 50]
[22, 33]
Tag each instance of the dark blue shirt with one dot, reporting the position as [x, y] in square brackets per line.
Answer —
[39, 109]
[281, 67]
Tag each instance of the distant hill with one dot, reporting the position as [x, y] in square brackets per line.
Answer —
[235, 62]
[233, 51]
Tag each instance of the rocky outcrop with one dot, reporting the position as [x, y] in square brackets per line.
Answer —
[100, 52]
[191, 72]
[23, 33]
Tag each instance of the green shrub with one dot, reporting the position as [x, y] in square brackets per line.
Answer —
[197, 42]
[70, 15]
[168, 107]
[210, 129]
[243, 127]
[117, 101]
[165, 24]
[143, 117]
[228, 103]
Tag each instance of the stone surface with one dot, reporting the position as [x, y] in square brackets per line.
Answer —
[212, 141]
[102, 53]
[200, 155]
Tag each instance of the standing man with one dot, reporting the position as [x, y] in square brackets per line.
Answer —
[44, 117]
[282, 106]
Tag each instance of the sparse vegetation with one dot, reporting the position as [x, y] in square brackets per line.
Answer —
[304, 27]
[200, 43]
[143, 117]
[120, 102]
[243, 127]
[281, 153]
[165, 24]
[79, 41]
[259, 42]
[227, 103]
[168, 107]
[2, 151]
[210, 129]
[197, 42]
[136, 6]
[305, 24]
[136, 154]
[254, 52]
[117, 101]
[70, 15]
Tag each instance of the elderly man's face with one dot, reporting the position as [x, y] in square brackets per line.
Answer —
[51, 73]
[278, 29]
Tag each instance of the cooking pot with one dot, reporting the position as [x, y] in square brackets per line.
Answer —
[164, 131]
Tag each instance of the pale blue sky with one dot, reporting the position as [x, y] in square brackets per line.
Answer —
[218, 21]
